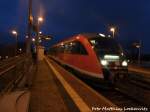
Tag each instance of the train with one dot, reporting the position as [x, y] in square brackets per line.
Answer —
[97, 57]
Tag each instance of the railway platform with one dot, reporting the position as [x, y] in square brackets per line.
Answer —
[55, 89]
[50, 88]
[45, 96]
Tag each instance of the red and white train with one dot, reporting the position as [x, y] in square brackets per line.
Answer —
[95, 56]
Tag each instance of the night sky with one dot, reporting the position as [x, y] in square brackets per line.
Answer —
[63, 18]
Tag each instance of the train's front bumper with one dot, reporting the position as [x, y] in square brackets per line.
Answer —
[114, 74]
[116, 70]
[113, 71]
[116, 66]
[119, 70]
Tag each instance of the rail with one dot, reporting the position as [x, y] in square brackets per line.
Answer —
[12, 74]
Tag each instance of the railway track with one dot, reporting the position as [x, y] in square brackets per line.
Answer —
[119, 98]
[134, 91]
[8, 60]
[11, 73]
[140, 80]
[125, 94]
[7, 63]
[123, 101]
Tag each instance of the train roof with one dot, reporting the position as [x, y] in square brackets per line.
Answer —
[89, 35]
[93, 35]
[86, 35]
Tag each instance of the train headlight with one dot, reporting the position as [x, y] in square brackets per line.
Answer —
[104, 62]
[124, 63]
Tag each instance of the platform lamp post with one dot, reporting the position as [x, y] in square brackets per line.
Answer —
[39, 21]
[30, 22]
[112, 29]
[14, 32]
[138, 46]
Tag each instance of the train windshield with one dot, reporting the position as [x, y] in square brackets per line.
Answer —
[104, 46]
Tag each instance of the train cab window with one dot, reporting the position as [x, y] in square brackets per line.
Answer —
[105, 46]
[83, 50]
[78, 48]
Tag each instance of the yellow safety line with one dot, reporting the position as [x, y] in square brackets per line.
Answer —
[83, 107]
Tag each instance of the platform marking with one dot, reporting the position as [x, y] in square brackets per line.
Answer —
[83, 107]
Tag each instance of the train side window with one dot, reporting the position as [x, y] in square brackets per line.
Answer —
[70, 47]
[75, 48]
[83, 50]
[56, 50]
[66, 48]
[78, 48]
[61, 48]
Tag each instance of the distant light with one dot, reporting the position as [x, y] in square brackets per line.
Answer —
[27, 36]
[109, 35]
[14, 32]
[40, 41]
[93, 42]
[40, 19]
[71, 43]
[48, 38]
[31, 18]
[20, 49]
[39, 37]
[112, 29]
[124, 63]
[138, 46]
[104, 62]
[77, 37]
[40, 32]
[102, 35]
[128, 60]
[33, 39]
[62, 44]
[6, 57]
[113, 57]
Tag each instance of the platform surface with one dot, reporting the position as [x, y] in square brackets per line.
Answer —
[56, 90]
[17, 101]
[45, 96]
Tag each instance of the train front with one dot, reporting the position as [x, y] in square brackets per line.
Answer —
[110, 56]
